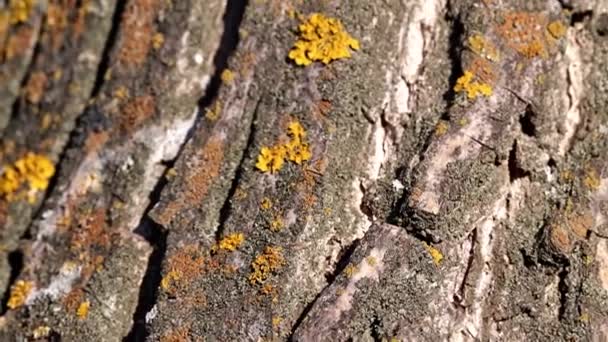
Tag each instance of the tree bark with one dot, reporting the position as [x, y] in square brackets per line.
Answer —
[457, 187]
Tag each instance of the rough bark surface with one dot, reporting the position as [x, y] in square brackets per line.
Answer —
[426, 211]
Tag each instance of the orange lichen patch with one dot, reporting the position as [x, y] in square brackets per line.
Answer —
[137, 31]
[441, 128]
[350, 270]
[435, 254]
[266, 264]
[483, 69]
[57, 15]
[205, 167]
[560, 239]
[525, 33]
[592, 179]
[472, 88]
[580, 223]
[181, 334]
[19, 292]
[78, 25]
[18, 43]
[83, 309]
[321, 109]
[136, 112]
[184, 266]
[556, 29]
[227, 76]
[296, 150]
[73, 299]
[483, 47]
[322, 39]
[92, 233]
[35, 170]
[230, 242]
[246, 62]
[268, 289]
[35, 86]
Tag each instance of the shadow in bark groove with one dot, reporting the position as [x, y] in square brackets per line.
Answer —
[343, 261]
[15, 260]
[104, 63]
[227, 205]
[148, 229]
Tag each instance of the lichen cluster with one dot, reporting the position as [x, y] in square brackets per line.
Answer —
[230, 242]
[17, 11]
[322, 39]
[26, 177]
[472, 88]
[19, 292]
[265, 264]
[296, 150]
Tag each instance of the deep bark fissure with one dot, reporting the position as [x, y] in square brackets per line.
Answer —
[343, 261]
[148, 292]
[226, 207]
[15, 260]
[153, 232]
[104, 62]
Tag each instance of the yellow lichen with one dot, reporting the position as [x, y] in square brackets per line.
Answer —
[277, 224]
[171, 277]
[435, 254]
[227, 76]
[265, 264]
[557, 29]
[371, 260]
[441, 128]
[231, 242]
[83, 309]
[19, 292]
[592, 179]
[266, 203]
[33, 169]
[322, 39]
[121, 92]
[41, 332]
[276, 321]
[483, 47]
[296, 150]
[158, 39]
[473, 89]
[19, 10]
[271, 159]
[213, 112]
[350, 270]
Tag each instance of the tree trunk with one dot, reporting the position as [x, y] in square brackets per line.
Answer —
[448, 181]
